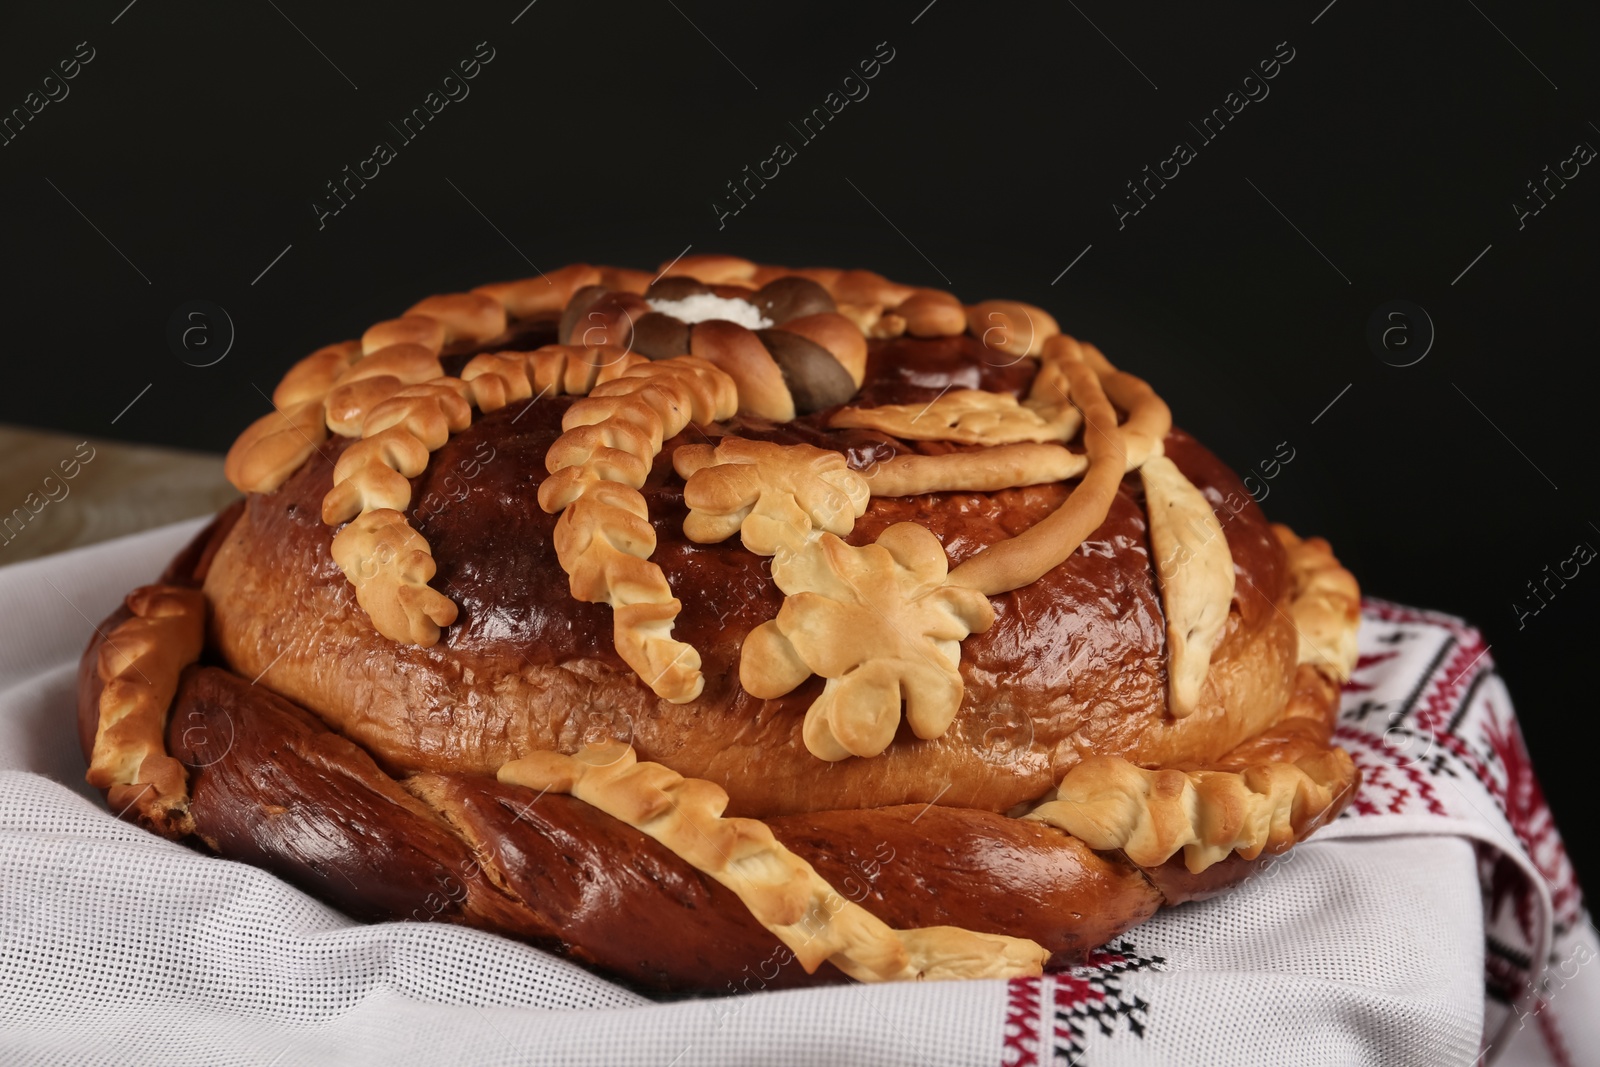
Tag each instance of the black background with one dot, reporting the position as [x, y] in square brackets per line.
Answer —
[985, 160]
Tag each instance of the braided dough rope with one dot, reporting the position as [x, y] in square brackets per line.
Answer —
[390, 566]
[405, 351]
[138, 666]
[574, 370]
[388, 562]
[604, 538]
[274, 446]
[1012, 327]
[544, 295]
[1109, 803]
[375, 389]
[782, 891]
[390, 390]
[374, 379]
[436, 321]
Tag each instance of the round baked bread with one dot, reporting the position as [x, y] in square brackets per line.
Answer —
[732, 627]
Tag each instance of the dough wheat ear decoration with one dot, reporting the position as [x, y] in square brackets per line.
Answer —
[603, 537]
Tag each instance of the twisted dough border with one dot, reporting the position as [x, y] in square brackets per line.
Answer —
[782, 891]
[1326, 608]
[1246, 804]
[138, 666]
[1109, 803]
[1249, 791]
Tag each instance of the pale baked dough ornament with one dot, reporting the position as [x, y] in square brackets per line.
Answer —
[881, 624]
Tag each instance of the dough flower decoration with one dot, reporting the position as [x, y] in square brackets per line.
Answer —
[774, 496]
[882, 624]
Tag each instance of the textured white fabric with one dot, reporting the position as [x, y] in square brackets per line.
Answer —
[1366, 946]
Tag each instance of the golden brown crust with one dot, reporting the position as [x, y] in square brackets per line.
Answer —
[1210, 737]
[424, 331]
[882, 623]
[841, 337]
[739, 353]
[1010, 326]
[1109, 803]
[374, 379]
[1327, 604]
[1024, 558]
[773, 496]
[996, 754]
[313, 376]
[137, 666]
[275, 446]
[389, 566]
[626, 279]
[272, 786]
[932, 313]
[495, 380]
[546, 294]
[999, 467]
[783, 891]
[969, 417]
[712, 269]
[464, 316]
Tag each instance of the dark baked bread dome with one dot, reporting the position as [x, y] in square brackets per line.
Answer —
[1074, 661]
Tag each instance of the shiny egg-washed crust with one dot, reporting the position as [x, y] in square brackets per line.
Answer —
[502, 710]
[270, 784]
[396, 397]
[782, 891]
[1247, 715]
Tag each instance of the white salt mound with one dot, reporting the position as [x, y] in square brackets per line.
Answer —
[703, 306]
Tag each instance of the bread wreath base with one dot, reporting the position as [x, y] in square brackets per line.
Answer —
[271, 785]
